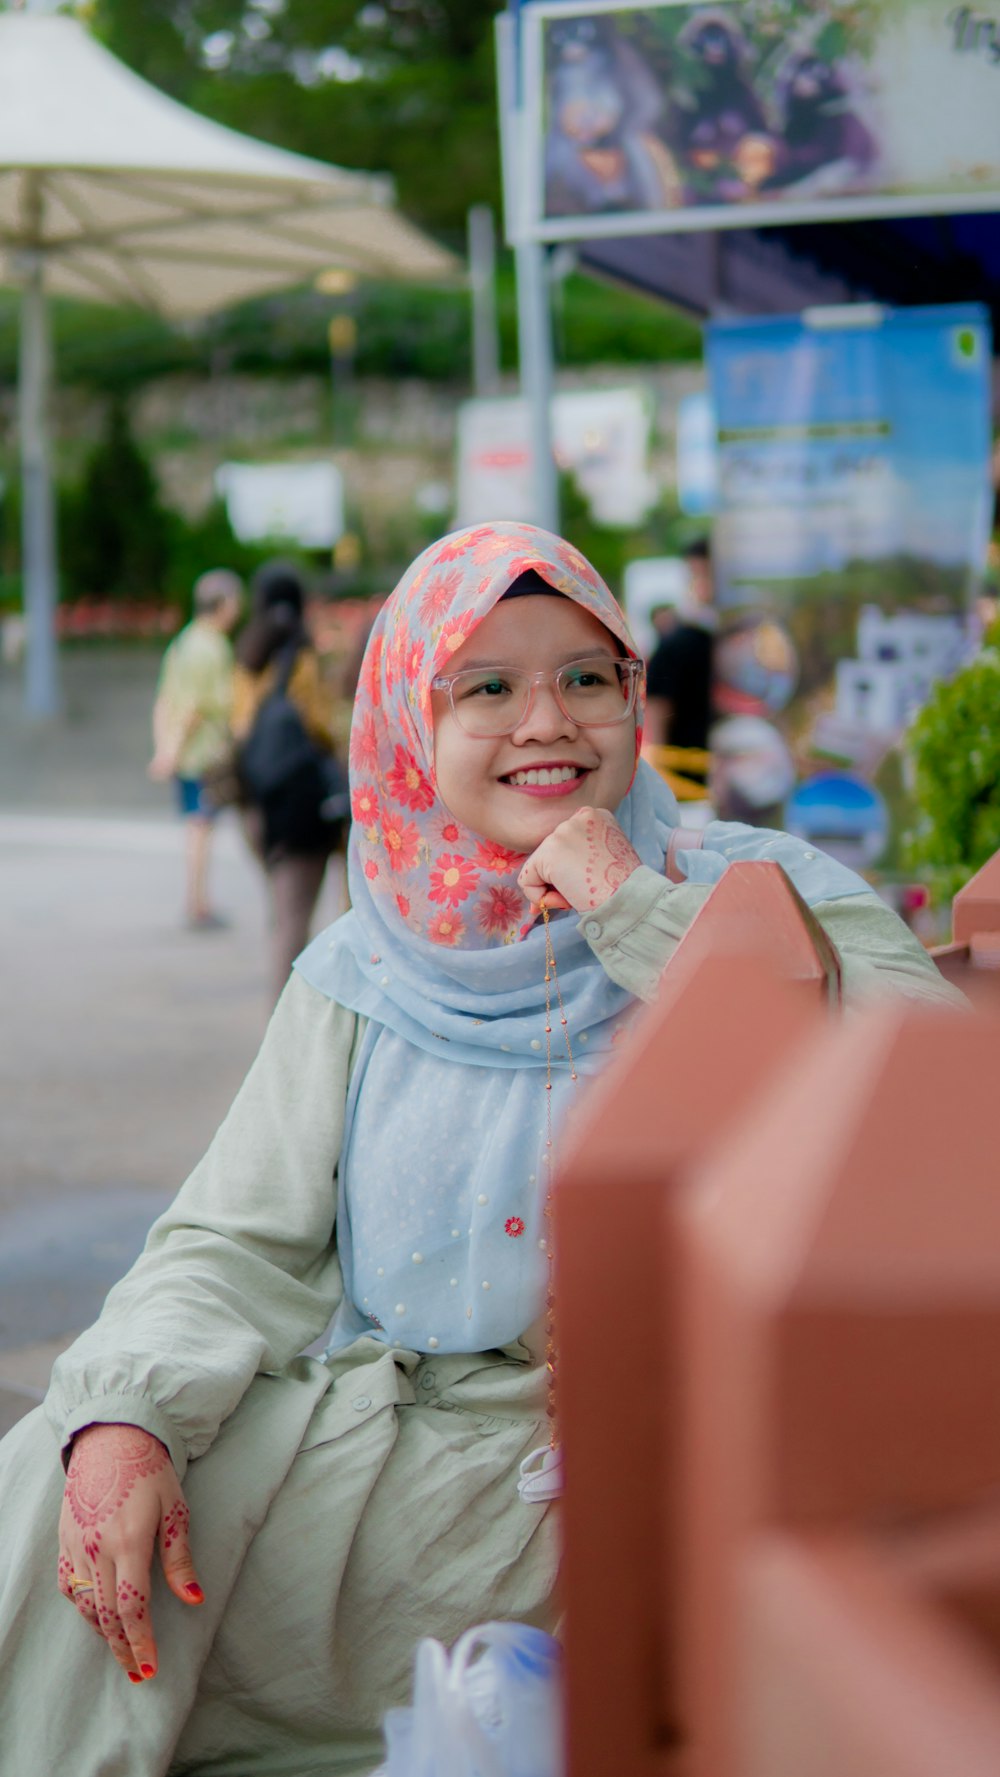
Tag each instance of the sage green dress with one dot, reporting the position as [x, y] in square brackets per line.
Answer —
[340, 1510]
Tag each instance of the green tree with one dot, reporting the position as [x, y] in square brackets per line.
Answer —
[405, 86]
[116, 533]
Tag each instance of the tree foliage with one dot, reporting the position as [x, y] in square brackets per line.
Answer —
[402, 86]
[954, 745]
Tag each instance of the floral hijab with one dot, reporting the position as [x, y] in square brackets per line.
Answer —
[438, 943]
[441, 880]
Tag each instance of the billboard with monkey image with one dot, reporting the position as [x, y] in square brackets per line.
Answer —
[667, 116]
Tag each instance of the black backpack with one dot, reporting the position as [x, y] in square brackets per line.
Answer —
[300, 789]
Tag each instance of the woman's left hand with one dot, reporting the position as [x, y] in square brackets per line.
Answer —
[579, 865]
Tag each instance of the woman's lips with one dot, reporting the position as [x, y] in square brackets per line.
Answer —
[563, 786]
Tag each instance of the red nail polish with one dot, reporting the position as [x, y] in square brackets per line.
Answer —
[148, 1671]
[134, 1678]
[195, 1593]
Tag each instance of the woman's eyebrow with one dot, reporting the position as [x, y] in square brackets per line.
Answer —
[513, 666]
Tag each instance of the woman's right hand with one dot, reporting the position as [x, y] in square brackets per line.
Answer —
[122, 1494]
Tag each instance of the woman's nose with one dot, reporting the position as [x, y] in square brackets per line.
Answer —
[543, 719]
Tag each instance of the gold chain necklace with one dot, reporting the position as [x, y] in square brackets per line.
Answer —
[541, 1477]
[551, 981]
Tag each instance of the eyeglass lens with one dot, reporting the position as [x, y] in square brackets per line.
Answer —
[590, 692]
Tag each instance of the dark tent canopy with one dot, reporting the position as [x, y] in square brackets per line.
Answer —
[762, 271]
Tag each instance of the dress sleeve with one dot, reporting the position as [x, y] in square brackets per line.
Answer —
[636, 931]
[312, 699]
[245, 701]
[241, 1272]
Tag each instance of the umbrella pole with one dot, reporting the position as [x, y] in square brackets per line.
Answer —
[38, 539]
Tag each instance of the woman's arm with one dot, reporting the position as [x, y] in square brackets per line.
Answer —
[241, 1271]
[636, 931]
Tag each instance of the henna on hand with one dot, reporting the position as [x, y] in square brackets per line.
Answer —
[102, 1473]
[582, 862]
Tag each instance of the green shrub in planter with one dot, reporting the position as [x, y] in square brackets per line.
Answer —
[954, 749]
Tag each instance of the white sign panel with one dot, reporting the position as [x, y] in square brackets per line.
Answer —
[296, 502]
[601, 436]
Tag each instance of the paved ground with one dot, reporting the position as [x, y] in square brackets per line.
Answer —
[122, 1036]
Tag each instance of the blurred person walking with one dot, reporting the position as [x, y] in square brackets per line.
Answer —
[191, 725]
[282, 725]
[679, 677]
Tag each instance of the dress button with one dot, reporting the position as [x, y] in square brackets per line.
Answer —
[361, 1403]
[427, 1381]
[809, 854]
[482, 1198]
[433, 1343]
[536, 1042]
[592, 929]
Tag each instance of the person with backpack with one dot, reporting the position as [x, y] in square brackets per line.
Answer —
[289, 775]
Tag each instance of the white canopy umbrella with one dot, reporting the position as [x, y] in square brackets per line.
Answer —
[111, 191]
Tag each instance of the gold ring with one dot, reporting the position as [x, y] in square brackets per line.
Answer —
[77, 1585]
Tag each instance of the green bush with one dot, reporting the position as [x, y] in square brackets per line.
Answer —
[954, 747]
[115, 532]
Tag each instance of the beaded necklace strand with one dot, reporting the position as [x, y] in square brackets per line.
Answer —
[551, 982]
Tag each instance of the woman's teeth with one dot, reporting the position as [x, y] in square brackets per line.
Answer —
[556, 774]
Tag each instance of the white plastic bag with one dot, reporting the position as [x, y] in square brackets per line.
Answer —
[490, 1709]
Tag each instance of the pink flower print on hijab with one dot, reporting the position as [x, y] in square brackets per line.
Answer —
[430, 874]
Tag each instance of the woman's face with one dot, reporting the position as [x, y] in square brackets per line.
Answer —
[476, 777]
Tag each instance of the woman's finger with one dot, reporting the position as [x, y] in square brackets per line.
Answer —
[132, 1599]
[105, 1596]
[555, 902]
[77, 1586]
[175, 1553]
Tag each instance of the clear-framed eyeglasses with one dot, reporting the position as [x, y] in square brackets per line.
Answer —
[596, 692]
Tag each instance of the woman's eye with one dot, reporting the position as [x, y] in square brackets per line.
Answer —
[493, 687]
[586, 678]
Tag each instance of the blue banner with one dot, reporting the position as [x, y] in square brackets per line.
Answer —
[852, 520]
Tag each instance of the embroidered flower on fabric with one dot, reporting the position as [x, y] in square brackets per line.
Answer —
[371, 870]
[453, 548]
[371, 669]
[496, 858]
[499, 911]
[453, 634]
[439, 595]
[407, 782]
[446, 829]
[453, 879]
[403, 904]
[364, 805]
[447, 928]
[364, 744]
[402, 842]
[513, 1226]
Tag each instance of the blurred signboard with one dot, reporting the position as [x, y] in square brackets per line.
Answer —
[697, 455]
[600, 436]
[852, 519]
[302, 503]
[668, 116]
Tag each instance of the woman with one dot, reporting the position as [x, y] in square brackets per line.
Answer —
[286, 829]
[384, 1162]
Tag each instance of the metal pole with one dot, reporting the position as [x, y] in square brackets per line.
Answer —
[38, 540]
[534, 329]
[482, 287]
[534, 321]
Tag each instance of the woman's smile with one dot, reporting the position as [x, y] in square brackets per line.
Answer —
[557, 777]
